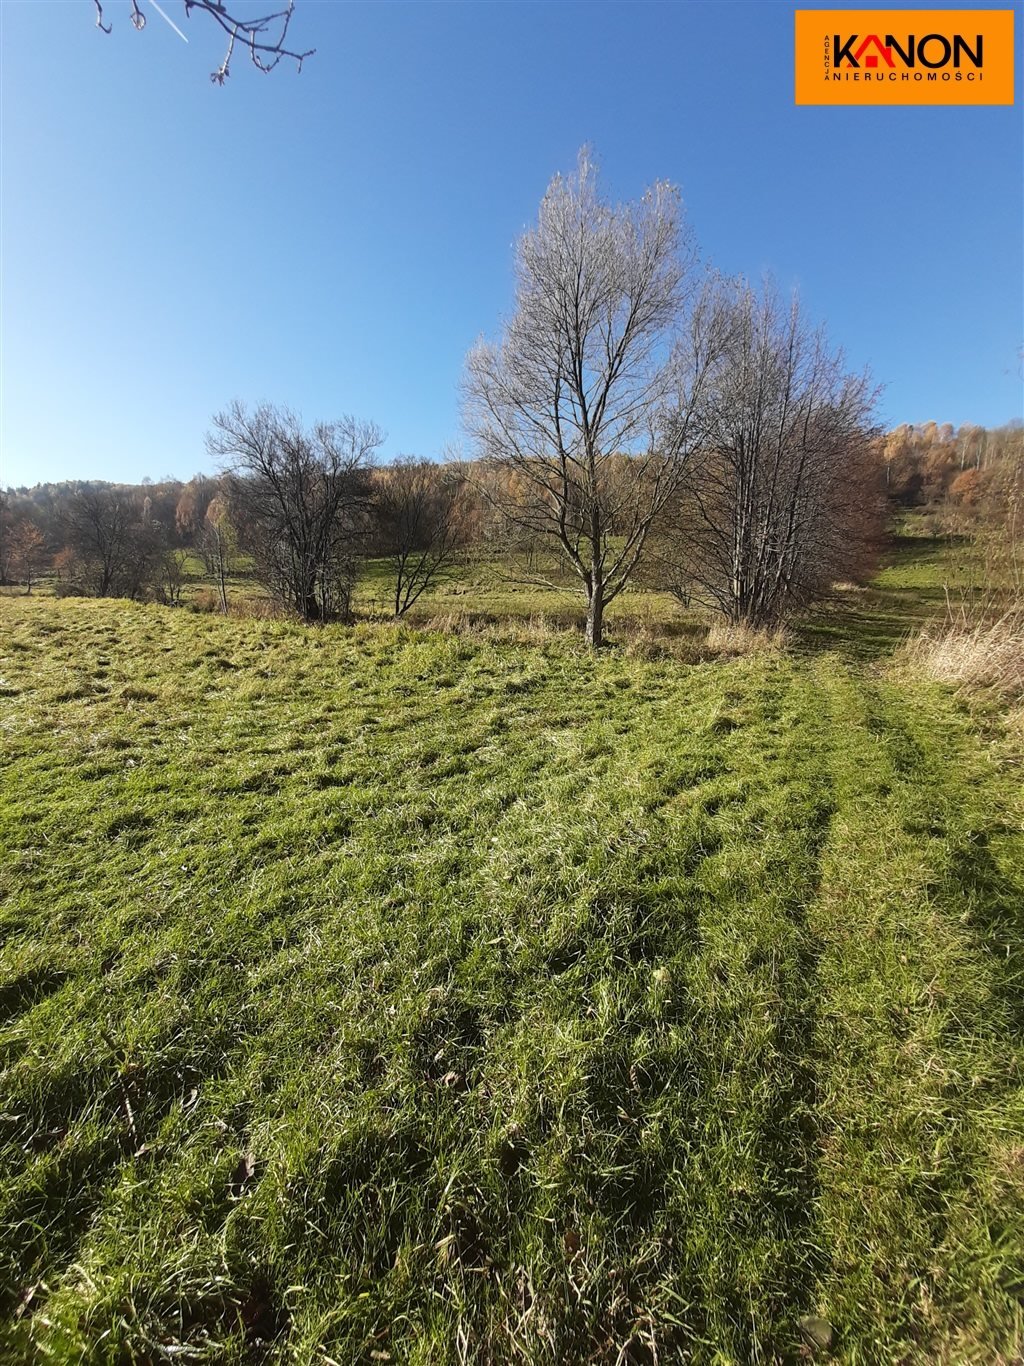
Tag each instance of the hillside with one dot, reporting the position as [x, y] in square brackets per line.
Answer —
[374, 993]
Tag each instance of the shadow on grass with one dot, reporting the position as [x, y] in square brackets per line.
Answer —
[23, 992]
[868, 625]
[996, 906]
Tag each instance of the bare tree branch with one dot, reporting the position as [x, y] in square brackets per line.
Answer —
[584, 409]
[297, 500]
[266, 36]
[784, 501]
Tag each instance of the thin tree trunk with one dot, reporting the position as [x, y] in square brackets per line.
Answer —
[595, 614]
[399, 581]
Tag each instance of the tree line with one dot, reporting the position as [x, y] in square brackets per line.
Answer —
[928, 465]
[306, 541]
[640, 419]
[301, 520]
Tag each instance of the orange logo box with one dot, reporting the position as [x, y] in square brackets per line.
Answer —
[904, 56]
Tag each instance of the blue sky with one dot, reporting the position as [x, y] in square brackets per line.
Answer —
[337, 240]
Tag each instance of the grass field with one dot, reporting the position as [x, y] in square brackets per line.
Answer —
[375, 994]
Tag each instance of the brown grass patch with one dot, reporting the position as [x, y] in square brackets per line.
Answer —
[737, 638]
[981, 654]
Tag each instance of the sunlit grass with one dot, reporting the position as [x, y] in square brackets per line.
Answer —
[446, 997]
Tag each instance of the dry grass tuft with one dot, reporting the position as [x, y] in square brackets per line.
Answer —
[257, 609]
[647, 643]
[533, 630]
[985, 654]
[636, 637]
[737, 638]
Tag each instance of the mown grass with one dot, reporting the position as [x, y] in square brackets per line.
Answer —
[378, 994]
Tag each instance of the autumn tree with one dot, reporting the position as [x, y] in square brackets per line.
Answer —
[968, 488]
[27, 553]
[586, 399]
[902, 479]
[7, 522]
[298, 500]
[998, 516]
[939, 463]
[924, 460]
[971, 442]
[190, 509]
[218, 544]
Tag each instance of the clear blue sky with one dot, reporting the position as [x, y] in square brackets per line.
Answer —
[337, 240]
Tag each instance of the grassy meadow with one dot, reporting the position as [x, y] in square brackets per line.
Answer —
[378, 993]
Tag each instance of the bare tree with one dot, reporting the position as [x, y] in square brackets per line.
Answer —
[420, 526]
[264, 37]
[785, 498]
[112, 545]
[171, 575]
[298, 498]
[586, 402]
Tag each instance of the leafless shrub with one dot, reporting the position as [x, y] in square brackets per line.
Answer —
[113, 547]
[298, 500]
[419, 512]
[784, 497]
[171, 576]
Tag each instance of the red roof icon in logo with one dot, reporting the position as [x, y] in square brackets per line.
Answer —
[873, 59]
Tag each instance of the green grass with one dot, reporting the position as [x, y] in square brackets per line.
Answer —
[911, 589]
[480, 588]
[375, 994]
[484, 588]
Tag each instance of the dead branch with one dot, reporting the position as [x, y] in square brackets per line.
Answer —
[266, 37]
